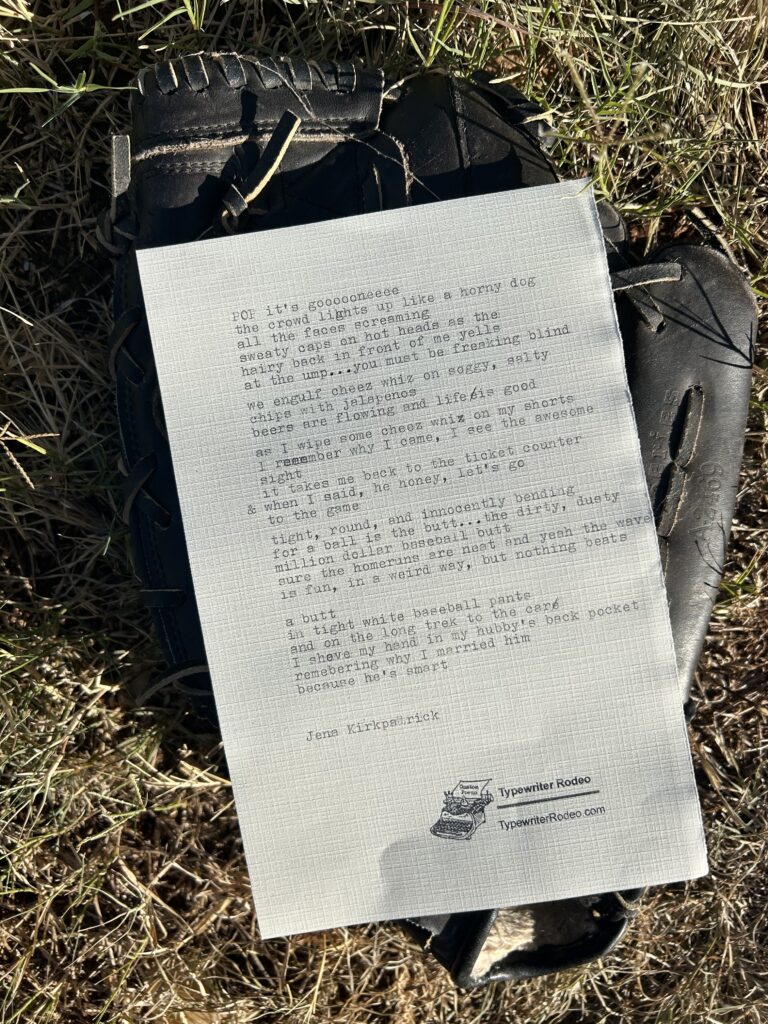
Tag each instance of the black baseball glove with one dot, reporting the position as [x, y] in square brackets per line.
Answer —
[222, 143]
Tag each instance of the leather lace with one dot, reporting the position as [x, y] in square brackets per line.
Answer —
[634, 282]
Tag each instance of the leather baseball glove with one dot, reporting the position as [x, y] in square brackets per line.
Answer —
[222, 143]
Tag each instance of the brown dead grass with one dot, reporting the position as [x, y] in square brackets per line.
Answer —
[123, 894]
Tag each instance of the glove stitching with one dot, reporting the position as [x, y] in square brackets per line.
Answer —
[222, 141]
[159, 170]
[154, 170]
[211, 165]
[218, 131]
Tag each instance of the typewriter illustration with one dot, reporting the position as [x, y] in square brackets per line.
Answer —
[463, 810]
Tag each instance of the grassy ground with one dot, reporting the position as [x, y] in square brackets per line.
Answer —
[123, 894]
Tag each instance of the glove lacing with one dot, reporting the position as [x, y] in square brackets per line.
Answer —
[634, 282]
[237, 200]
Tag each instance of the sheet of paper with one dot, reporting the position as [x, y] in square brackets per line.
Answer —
[425, 560]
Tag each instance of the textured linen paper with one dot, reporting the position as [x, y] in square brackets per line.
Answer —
[425, 560]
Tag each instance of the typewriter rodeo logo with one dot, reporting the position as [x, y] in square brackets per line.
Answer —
[463, 810]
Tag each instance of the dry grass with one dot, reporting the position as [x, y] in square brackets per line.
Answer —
[123, 891]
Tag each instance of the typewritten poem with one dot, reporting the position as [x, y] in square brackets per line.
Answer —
[407, 435]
